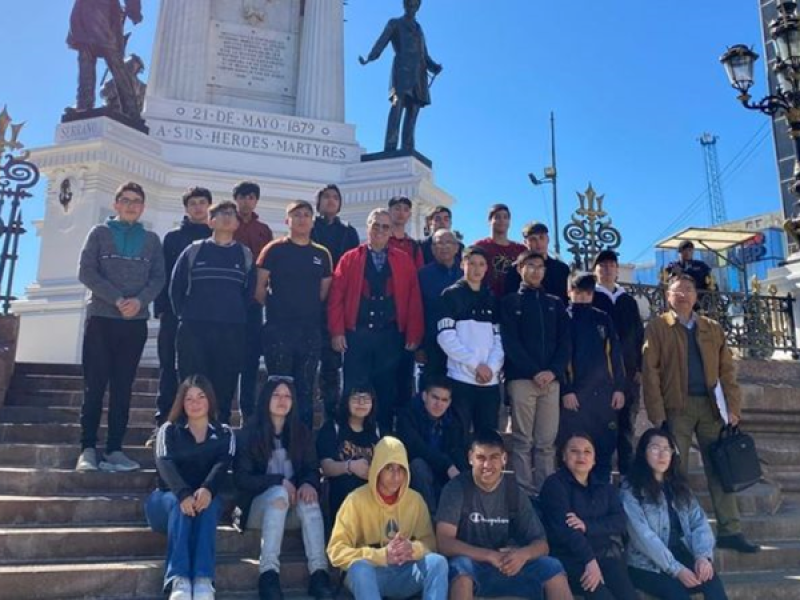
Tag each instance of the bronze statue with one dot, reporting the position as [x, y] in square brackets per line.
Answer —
[410, 89]
[110, 93]
[97, 31]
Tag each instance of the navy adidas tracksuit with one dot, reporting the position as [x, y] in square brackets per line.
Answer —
[594, 373]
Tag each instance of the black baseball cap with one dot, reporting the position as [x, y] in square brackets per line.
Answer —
[604, 256]
[685, 244]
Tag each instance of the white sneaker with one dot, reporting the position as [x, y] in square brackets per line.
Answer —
[117, 461]
[203, 589]
[87, 461]
[181, 589]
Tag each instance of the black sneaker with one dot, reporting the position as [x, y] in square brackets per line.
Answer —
[738, 543]
[269, 586]
[319, 586]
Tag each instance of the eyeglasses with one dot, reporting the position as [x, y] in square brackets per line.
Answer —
[280, 378]
[128, 201]
[361, 399]
[656, 450]
[537, 268]
[382, 227]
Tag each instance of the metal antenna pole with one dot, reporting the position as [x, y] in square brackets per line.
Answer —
[555, 183]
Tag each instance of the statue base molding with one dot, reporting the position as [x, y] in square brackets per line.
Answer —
[386, 154]
[73, 114]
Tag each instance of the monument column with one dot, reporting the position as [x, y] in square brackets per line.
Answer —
[178, 69]
[320, 86]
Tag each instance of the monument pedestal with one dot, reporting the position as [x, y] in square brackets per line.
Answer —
[237, 91]
[72, 115]
[217, 149]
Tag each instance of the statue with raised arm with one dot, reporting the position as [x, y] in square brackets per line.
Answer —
[410, 88]
[97, 31]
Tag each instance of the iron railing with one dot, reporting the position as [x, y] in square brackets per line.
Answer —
[17, 177]
[756, 325]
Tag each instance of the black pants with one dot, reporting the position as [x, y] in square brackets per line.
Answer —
[111, 352]
[405, 379]
[371, 359]
[427, 483]
[435, 364]
[597, 418]
[253, 347]
[627, 423]
[617, 584]
[293, 350]
[667, 587]
[215, 350]
[475, 405]
[167, 370]
[330, 379]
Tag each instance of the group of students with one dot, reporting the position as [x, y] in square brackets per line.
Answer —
[481, 322]
[395, 533]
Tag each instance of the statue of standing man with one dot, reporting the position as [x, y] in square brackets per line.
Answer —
[410, 89]
[97, 31]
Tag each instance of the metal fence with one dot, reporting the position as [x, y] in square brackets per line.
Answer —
[17, 177]
[756, 325]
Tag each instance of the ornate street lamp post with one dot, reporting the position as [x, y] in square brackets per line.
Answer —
[738, 62]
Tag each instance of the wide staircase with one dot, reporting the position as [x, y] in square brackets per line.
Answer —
[67, 535]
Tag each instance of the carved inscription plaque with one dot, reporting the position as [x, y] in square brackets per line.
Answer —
[254, 59]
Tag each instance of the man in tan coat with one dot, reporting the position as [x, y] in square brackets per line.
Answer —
[685, 358]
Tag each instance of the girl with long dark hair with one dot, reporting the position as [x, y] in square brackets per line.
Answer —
[671, 548]
[193, 452]
[277, 481]
[345, 445]
[585, 524]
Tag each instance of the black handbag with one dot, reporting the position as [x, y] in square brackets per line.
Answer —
[735, 459]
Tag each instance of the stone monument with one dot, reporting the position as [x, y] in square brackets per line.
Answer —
[237, 89]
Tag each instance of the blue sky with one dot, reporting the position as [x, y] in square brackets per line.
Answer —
[633, 86]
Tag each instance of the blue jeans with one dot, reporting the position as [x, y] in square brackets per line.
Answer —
[367, 581]
[191, 541]
[490, 582]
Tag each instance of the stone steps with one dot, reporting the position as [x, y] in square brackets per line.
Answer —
[125, 579]
[64, 433]
[50, 456]
[83, 535]
[68, 544]
[34, 382]
[45, 398]
[52, 510]
[66, 415]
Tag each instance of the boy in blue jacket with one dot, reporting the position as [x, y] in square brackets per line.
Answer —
[592, 394]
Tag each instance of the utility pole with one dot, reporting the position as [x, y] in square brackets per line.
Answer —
[551, 177]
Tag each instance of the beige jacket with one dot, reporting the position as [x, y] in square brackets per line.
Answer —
[665, 371]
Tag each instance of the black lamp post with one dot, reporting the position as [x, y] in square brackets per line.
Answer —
[551, 177]
[738, 62]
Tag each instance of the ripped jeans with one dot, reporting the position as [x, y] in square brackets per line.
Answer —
[271, 513]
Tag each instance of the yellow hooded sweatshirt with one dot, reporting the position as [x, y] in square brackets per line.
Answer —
[360, 531]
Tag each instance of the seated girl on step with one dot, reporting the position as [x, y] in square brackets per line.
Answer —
[193, 453]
